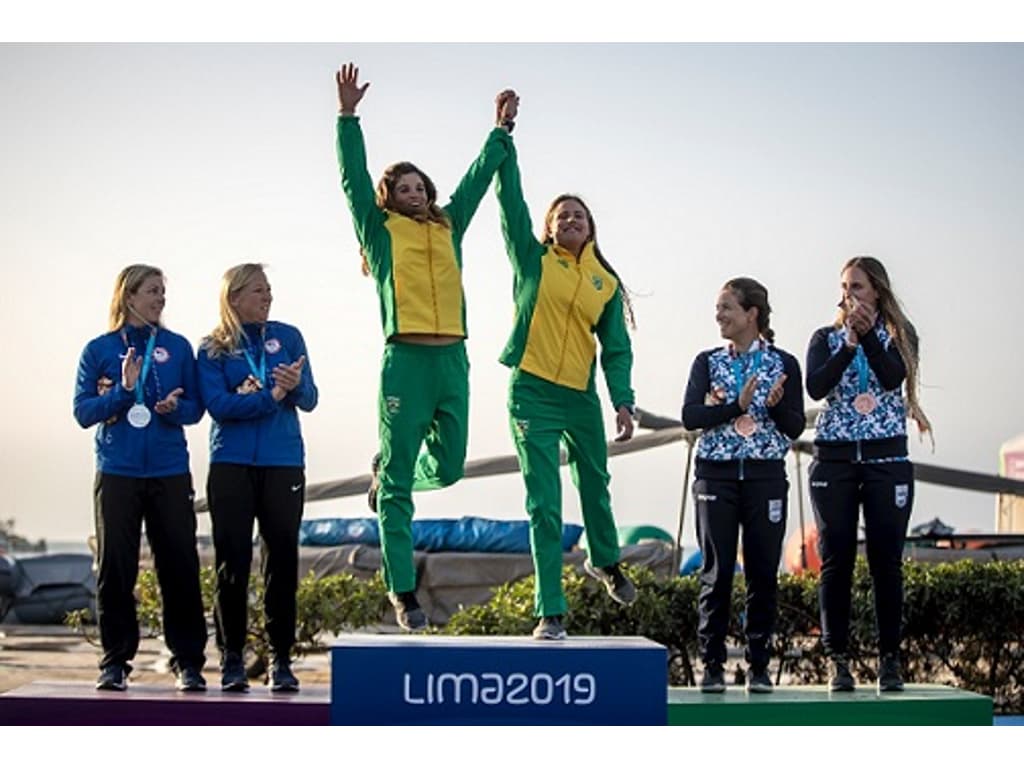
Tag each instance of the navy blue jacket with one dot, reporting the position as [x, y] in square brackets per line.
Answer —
[253, 428]
[159, 449]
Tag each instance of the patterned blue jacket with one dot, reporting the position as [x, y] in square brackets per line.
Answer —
[833, 373]
[722, 452]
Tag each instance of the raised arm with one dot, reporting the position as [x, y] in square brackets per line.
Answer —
[522, 247]
[465, 200]
[355, 178]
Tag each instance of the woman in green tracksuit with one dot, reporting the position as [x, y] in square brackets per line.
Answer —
[565, 294]
[413, 249]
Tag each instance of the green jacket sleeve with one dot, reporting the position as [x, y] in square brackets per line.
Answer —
[616, 351]
[524, 250]
[471, 190]
[356, 181]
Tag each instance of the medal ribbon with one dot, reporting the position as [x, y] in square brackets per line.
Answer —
[861, 361]
[147, 363]
[261, 372]
[739, 371]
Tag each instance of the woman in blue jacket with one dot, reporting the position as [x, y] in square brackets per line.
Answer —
[137, 385]
[254, 376]
[747, 398]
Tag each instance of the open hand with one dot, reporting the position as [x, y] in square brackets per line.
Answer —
[169, 403]
[350, 93]
[775, 393]
[747, 394]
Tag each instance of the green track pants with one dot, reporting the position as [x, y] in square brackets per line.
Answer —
[424, 403]
[542, 416]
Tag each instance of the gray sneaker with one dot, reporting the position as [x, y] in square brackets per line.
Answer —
[889, 678]
[759, 681]
[841, 678]
[113, 677]
[619, 587]
[549, 628]
[232, 673]
[282, 680]
[713, 680]
[408, 613]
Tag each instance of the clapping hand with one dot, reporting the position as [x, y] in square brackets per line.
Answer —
[169, 403]
[131, 367]
[747, 394]
[776, 392]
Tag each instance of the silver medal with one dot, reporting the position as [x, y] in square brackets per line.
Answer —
[139, 416]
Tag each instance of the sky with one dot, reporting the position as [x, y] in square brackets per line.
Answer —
[701, 162]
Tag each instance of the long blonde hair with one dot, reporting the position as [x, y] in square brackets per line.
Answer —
[128, 282]
[901, 330]
[227, 336]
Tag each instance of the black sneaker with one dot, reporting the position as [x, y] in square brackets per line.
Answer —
[408, 613]
[113, 677]
[759, 681]
[615, 581]
[371, 494]
[841, 678]
[549, 628]
[233, 677]
[281, 677]
[713, 680]
[189, 679]
[889, 679]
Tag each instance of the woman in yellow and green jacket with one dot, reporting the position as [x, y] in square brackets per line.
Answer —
[566, 294]
[413, 249]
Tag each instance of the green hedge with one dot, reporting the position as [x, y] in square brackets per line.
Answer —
[963, 624]
[963, 621]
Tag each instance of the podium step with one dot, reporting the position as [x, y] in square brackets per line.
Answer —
[815, 705]
[79, 703]
[440, 680]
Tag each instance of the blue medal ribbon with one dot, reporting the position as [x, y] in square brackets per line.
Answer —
[261, 372]
[147, 363]
[860, 360]
[740, 371]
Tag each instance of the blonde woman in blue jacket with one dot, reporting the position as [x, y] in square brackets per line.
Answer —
[255, 377]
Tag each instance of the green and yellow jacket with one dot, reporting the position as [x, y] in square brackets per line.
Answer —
[561, 303]
[417, 265]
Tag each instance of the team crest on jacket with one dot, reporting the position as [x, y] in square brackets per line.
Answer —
[597, 281]
[161, 355]
[902, 494]
[273, 346]
[393, 403]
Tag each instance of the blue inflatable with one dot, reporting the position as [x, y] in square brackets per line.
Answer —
[467, 534]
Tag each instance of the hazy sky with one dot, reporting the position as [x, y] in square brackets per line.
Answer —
[701, 162]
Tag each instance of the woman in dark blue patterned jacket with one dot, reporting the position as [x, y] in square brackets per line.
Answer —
[748, 399]
[859, 364]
